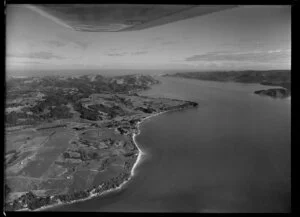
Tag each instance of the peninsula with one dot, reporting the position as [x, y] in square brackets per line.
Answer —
[72, 138]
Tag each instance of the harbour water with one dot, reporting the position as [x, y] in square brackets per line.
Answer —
[231, 154]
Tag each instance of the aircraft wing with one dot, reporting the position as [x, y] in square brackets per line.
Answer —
[117, 17]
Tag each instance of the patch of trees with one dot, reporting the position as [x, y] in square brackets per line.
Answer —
[7, 190]
[38, 108]
[12, 117]
[129, 162]
[87, 113]
[122, 130]
[13, 105]
[93, 155]
[133, 121]
[116, 110]
[194, 104]
[13, 158]
[34, 202]
[125, 101]
[60, 112]
[73, 98]
[115, 181]
[85, 142]
[37, 202]
[129, 154]
[13, 151]
[30, 200]
[145, 110]
[83, 155]
[66, 155]
[87, 155]
[56, 99]
[92, 112]
[111, 111]
[119, 88]
[73, 196]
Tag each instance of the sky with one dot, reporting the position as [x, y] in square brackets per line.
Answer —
[246, 37]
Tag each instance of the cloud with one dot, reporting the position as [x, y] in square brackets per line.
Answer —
[117, 54]
[162, 41]
[28, 62]
[157, 38]
[81, 44]
[168, 42]
[56, 43]
[252, 56]
[70, 39]
[37, 55]
[139, 52]
[243, 44]
[33, 62]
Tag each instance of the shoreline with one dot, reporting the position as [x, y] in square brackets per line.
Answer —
[93, 195]
[96, 192]
[141, 153]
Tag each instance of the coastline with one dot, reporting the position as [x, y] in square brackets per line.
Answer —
[102, 188]
[93, 195]
[141, 153]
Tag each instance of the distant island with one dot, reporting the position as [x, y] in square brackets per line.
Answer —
[280, 78]
[72, 138]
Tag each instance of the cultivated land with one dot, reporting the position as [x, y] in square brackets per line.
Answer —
[68, 138]
[280, 78]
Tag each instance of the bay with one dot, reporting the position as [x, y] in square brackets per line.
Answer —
[231, 154]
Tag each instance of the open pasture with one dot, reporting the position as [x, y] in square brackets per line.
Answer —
[100, 134]
[55, 145]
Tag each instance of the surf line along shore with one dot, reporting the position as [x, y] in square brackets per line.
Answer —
[97, 192]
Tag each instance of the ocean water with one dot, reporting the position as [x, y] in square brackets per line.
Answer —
[231, 154]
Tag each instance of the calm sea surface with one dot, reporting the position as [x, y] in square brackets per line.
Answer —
[231, 154]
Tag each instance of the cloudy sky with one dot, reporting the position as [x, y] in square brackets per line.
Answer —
[247, 37]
